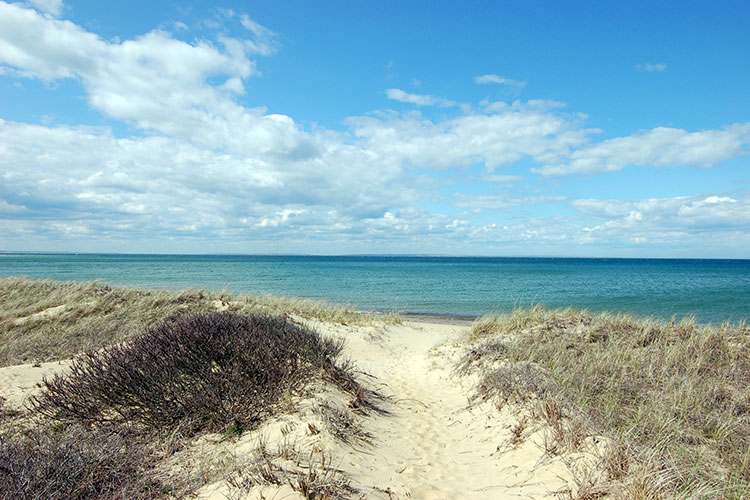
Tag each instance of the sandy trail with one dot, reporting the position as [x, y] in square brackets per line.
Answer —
[433, 444]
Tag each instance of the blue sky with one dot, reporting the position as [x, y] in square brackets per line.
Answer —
[476, 128]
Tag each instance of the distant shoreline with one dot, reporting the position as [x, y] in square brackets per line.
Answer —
[4, 253]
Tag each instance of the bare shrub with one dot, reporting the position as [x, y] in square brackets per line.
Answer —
[75, 463]
[213, 371]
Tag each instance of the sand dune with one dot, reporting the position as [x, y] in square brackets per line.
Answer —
[427, 442]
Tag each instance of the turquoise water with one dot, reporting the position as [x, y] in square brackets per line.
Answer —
[712, 290]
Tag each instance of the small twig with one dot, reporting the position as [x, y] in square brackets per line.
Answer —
[410, 399]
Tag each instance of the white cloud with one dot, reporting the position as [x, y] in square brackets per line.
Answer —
[660, 218]
[499, 80]
[661, 146]
[153, 81]
[10, 209]
[651, 67]
[280, 218]
[500, 201]
[497, 136]
[418, 99]
[51, 7]
[504, 180]
[264, 41]
[201, 167]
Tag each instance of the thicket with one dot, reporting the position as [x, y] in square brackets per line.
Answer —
[208, 371]
[76, 463]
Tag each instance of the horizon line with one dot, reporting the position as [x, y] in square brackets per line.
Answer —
[396, 255]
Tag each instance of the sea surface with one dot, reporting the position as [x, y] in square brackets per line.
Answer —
[713, 291]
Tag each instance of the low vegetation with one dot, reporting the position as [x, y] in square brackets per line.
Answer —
[106, 428]
[671, 399]
[207, 372]
[75, 462]
[44, 320]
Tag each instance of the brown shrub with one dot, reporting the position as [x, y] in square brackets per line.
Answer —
[214, 371]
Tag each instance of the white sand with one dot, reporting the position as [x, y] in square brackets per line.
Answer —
[19, 382]
[431, 444]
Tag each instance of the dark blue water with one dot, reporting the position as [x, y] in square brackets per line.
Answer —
[712, 290]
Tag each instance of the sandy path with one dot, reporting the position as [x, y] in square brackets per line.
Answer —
[433, 445]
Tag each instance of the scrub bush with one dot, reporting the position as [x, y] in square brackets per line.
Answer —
[75, 463]
[207, 372]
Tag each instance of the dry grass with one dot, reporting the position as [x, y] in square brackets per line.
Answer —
[673, 398]
[310, 474]
[35, 328]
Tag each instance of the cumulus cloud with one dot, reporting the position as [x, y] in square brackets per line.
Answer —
[651, 67]
[661, 146]
[499, 80]
[154, 81]
[199, 166]
[161, 183]
[496, 136]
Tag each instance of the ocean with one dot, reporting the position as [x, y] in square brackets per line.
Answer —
[713, 291]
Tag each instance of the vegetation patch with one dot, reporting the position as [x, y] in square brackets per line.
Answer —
[673, 399]
[107, 427]
[76, 463]
[217, 371]
[45, 320]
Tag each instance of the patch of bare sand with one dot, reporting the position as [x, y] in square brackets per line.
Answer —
[435, 444]
[50, 312]
[21, 381]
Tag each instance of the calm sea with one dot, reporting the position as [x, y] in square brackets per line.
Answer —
[462, 287]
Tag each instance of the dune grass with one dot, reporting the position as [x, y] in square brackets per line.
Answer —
[673, 399]
[44, 320]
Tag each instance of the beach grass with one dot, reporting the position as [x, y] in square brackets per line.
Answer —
[45, 320]
[671, 399]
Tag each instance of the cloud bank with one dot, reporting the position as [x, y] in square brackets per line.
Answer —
[199, 170]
